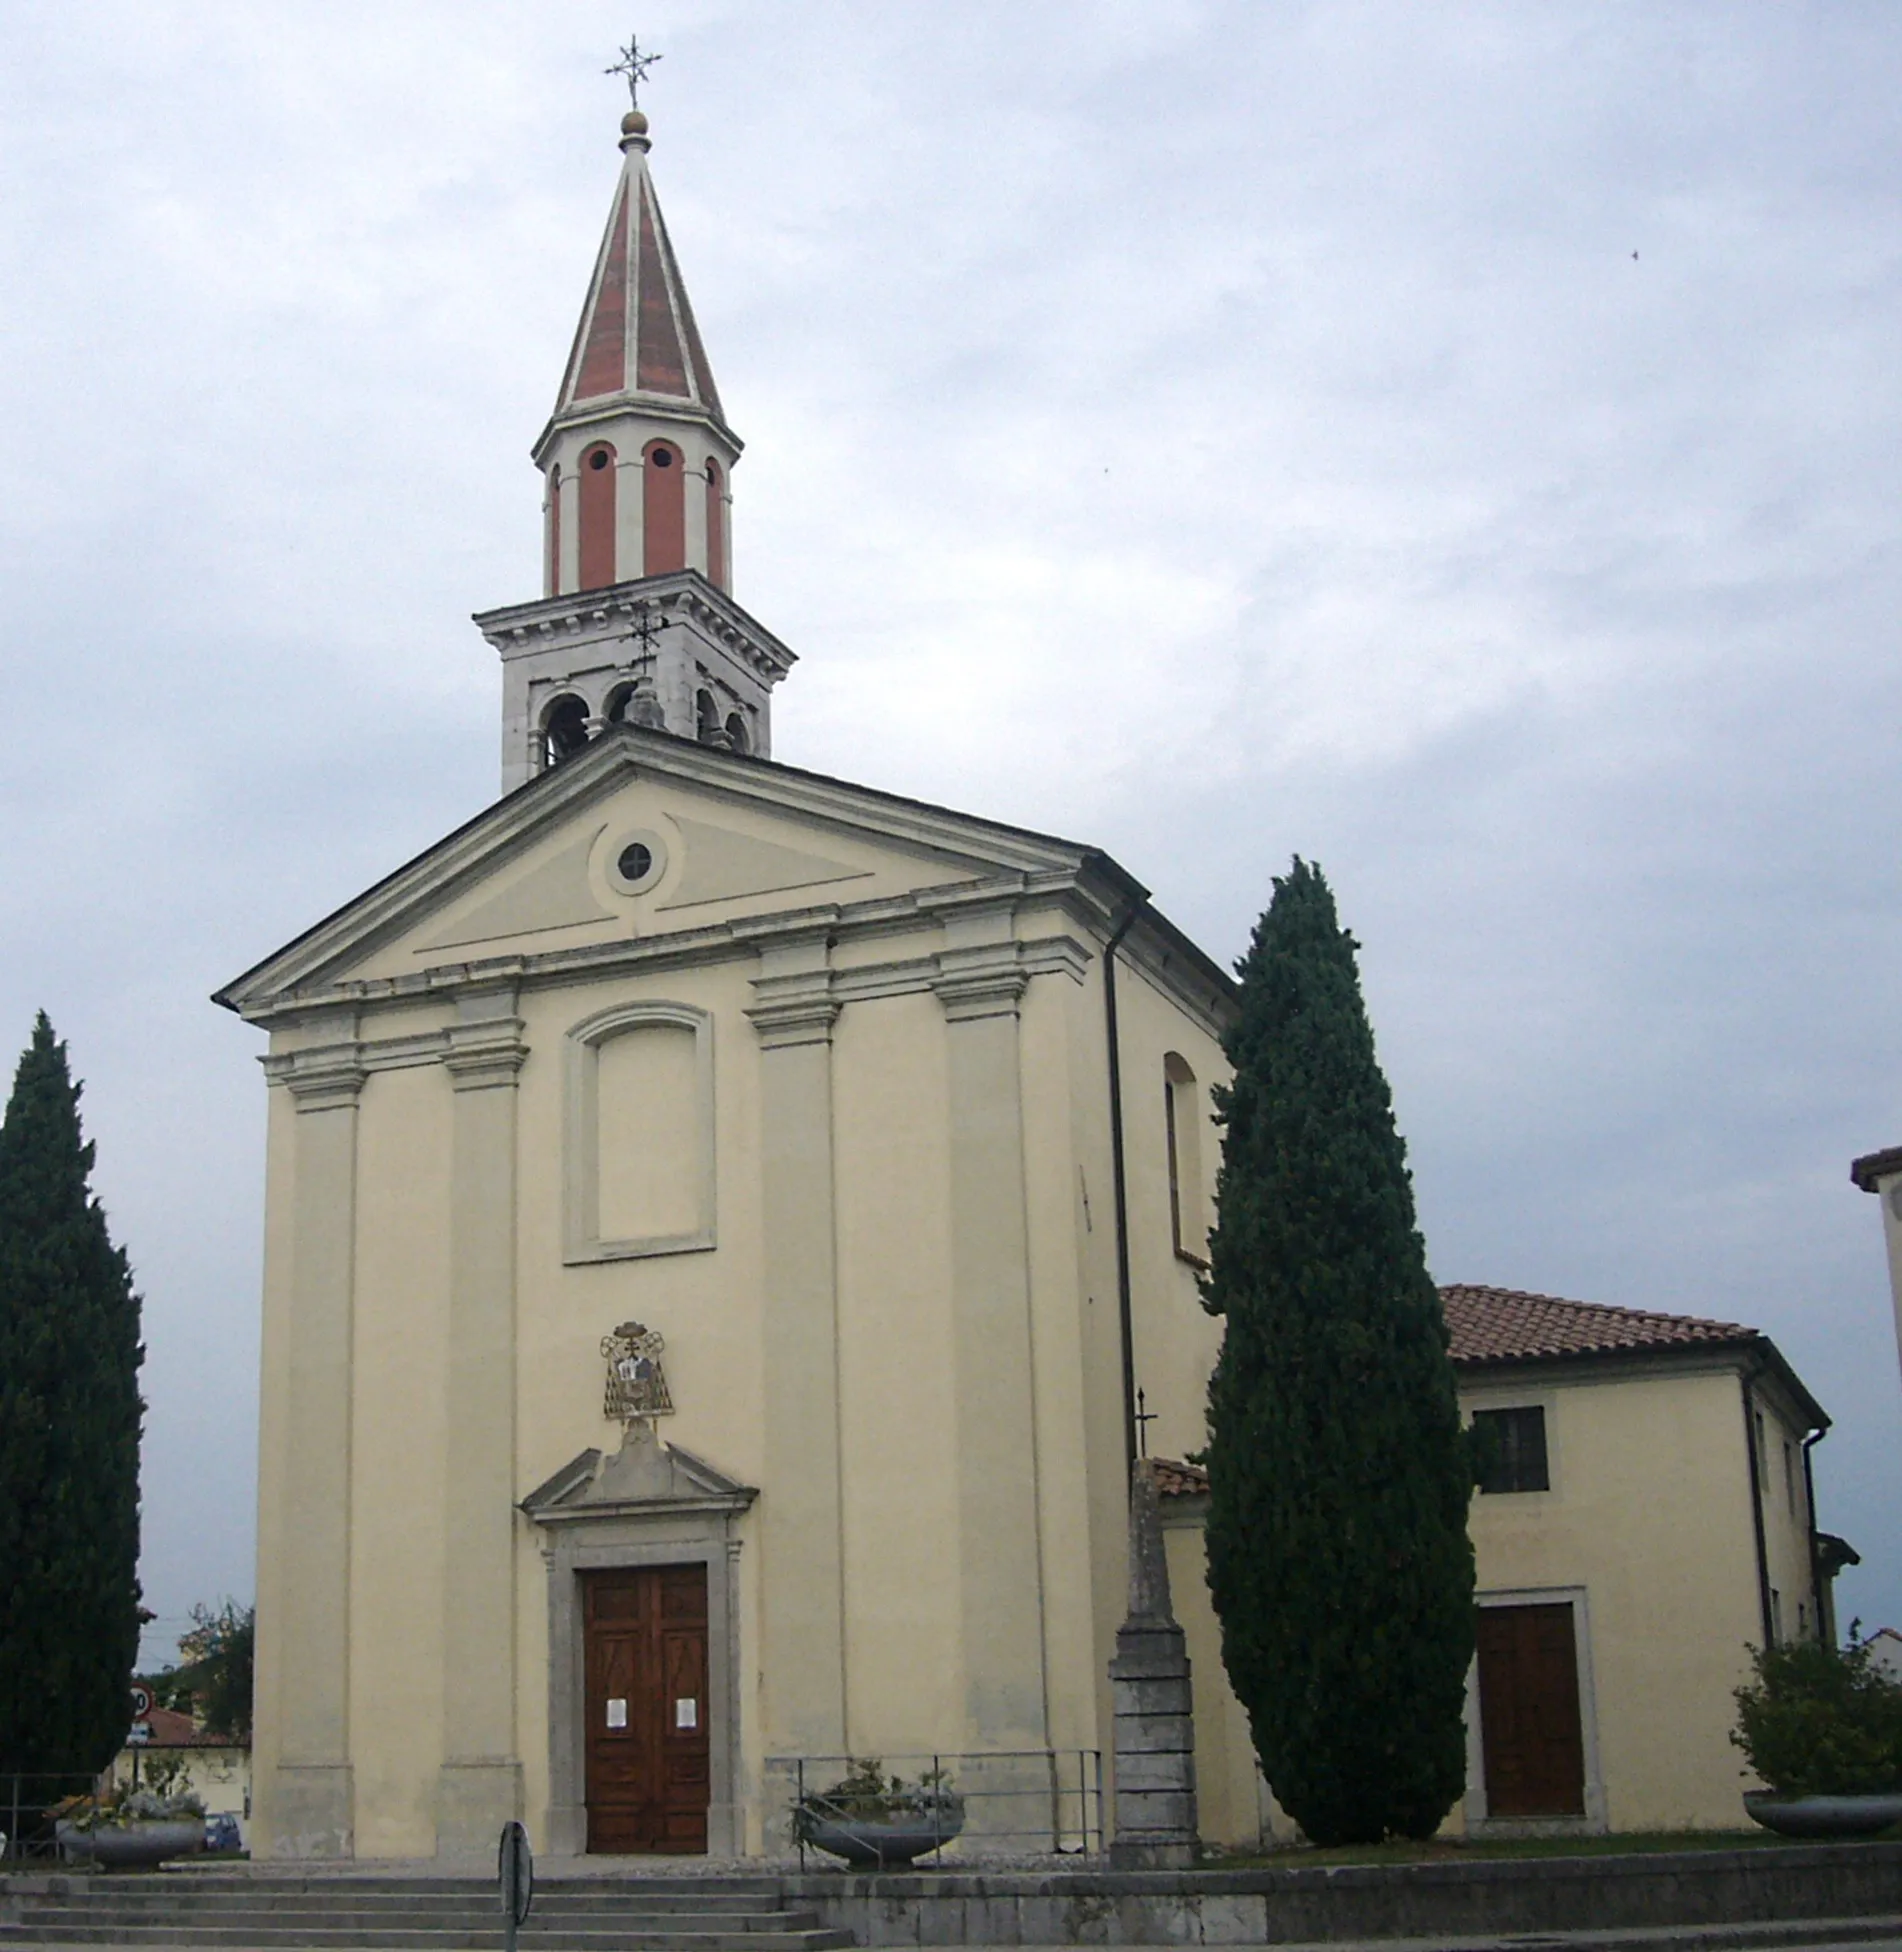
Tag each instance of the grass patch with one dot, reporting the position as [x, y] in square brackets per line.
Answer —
[1465, 1850]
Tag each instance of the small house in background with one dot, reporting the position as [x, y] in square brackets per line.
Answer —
[1647, 1517]
[1885, 1651]
[214, 1768]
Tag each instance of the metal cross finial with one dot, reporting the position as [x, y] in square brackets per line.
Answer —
[634, 65]
[1145, 1416]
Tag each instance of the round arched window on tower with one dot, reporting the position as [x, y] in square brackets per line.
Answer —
[663, 510]
[598, 521]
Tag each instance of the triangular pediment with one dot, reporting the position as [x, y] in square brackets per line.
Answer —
[640, 838]
[644, 1475]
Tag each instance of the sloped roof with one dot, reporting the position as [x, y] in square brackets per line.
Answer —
[1503, 1325]
[1507, 1325]
[171, 1730]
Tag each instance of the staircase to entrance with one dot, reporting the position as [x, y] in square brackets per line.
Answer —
[631, 1913]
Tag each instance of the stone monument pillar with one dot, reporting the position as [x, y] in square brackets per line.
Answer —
[1154, 1705]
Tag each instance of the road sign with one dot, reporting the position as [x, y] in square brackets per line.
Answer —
[515, 1873]
[141, 1703]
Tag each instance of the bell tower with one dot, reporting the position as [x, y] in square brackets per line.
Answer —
[636, 621]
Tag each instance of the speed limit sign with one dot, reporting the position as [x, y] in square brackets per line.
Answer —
[141, 1703]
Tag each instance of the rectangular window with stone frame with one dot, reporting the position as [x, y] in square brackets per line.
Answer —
[1512, 1453]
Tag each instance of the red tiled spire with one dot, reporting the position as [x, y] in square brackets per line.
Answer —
[637, 337]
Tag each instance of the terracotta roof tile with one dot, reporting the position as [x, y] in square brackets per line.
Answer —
[1503, 1325]
[1175, 1479]
[171, 1730]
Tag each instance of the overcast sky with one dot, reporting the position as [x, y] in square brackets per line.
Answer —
[1459, 443]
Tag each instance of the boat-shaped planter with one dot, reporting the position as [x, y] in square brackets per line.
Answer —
[1823, 1816]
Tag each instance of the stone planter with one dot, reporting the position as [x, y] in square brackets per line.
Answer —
[870, 1843]
[1823, 1816]
[130, 1846]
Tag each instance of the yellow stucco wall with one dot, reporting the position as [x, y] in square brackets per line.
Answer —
[951, 1454]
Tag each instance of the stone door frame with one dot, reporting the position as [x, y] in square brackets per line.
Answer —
[583, 1533]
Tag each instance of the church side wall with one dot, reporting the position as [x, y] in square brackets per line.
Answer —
[1175, 1341]
[1062, 1315]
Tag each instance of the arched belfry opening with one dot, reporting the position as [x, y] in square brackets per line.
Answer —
[564, 729]
[598, 492]
[664, 509]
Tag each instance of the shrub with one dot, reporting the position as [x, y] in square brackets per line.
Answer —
[1821, 1721]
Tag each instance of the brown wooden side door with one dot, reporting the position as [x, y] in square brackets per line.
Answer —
[1528, 1711]
[646, 1707]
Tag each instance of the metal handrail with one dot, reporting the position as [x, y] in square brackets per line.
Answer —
[32, 1801]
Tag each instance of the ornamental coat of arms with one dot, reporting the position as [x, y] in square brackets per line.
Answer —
[637, 1384]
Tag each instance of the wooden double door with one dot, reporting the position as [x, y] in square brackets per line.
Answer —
[1528, 1711]
[648, 1780]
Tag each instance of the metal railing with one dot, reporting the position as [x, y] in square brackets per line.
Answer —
[992, 1803]
[33, 1805]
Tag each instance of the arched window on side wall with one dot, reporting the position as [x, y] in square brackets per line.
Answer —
[597, 517]
[564, 729]
[663, 509]
[736, 739]
[1182, 1126]
[716, 527]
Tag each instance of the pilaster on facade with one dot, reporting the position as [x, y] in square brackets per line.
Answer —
[981, 969]
[795, 1003]
[484, 1049]
[981, 983]
[321, 1078]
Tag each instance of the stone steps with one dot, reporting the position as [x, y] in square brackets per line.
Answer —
[456, 1915]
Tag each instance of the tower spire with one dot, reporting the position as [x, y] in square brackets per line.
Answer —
[637, 455]
[635, 624]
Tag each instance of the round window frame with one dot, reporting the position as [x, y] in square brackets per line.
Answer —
[656, 866]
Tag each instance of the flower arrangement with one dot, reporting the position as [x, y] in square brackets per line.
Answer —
[865, 1791]
[159, 1798]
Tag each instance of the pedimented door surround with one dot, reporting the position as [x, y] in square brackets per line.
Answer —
[646, 1504]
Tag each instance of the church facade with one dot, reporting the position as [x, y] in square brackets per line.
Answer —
[728, 1232]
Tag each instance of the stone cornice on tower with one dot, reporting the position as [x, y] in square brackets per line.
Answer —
[587, 617]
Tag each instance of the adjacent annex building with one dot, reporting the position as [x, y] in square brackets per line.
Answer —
[1648, 1515]
[719, 1221]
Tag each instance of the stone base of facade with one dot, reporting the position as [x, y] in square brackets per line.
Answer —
[312, 1810]
[473, 1801]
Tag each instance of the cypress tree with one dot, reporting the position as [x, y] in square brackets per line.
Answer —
[1339, 1475]
[69, 1438]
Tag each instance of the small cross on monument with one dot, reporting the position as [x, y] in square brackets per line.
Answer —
[1145, 1416]
[634, 65]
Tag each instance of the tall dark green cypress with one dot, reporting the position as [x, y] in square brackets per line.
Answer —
[1339, 1475]
[69, 1437]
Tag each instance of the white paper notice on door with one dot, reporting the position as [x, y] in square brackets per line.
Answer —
[617, 1713]
[686, 1713]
